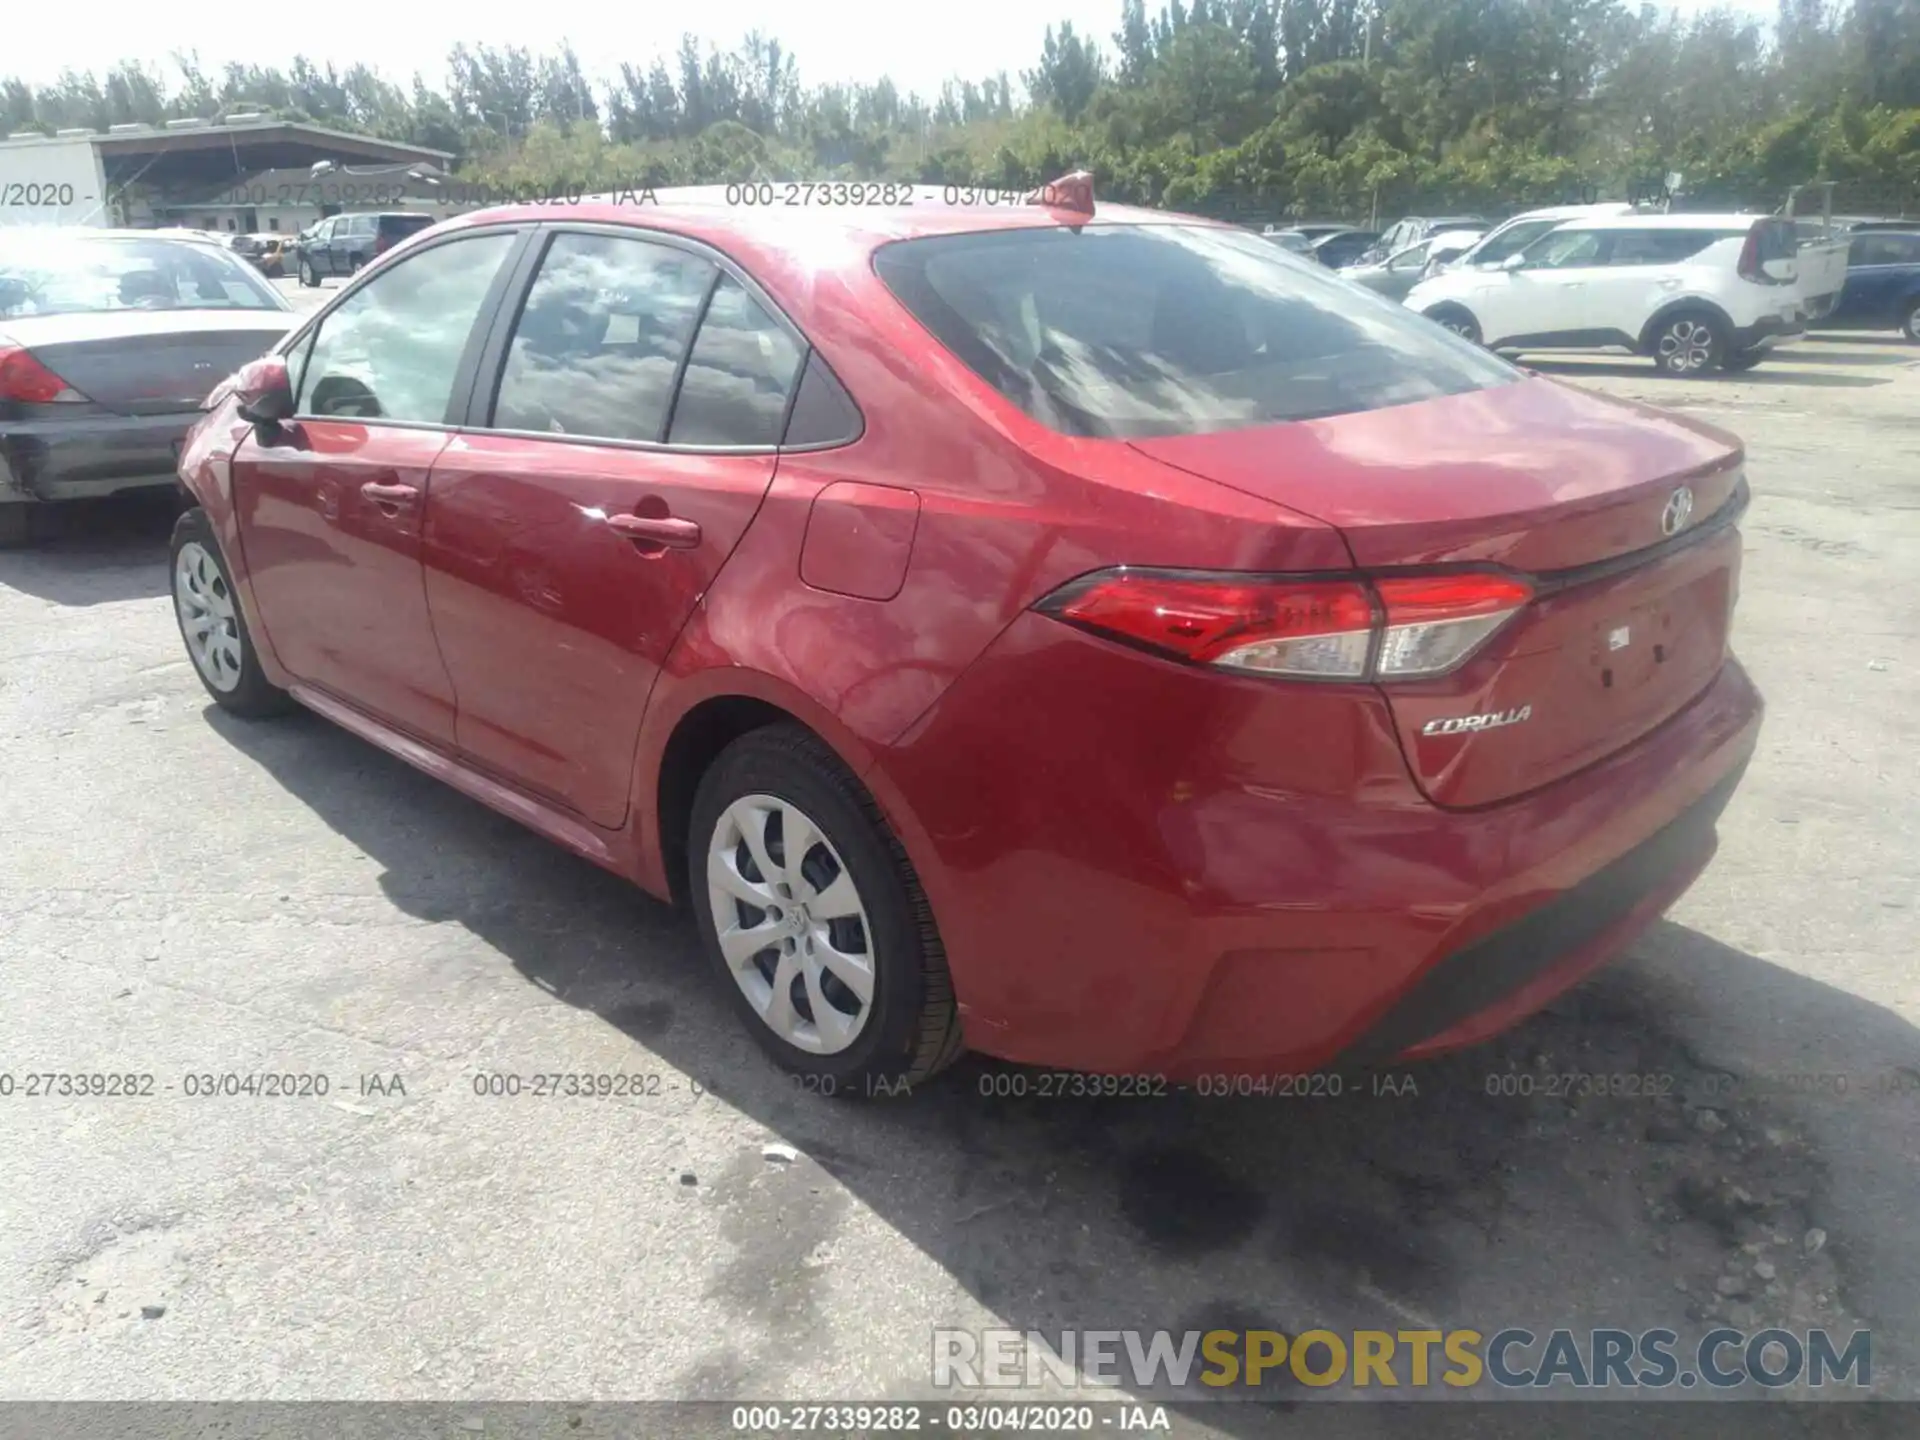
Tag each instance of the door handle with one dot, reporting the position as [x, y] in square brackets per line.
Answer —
[667, 530]
[390, 497]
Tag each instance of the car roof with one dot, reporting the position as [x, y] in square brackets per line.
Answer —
[66, 233]
[1717, 221]
[1573, 212]
[702, 212]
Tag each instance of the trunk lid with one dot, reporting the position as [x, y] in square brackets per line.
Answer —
[1629, 622]
[140, 362]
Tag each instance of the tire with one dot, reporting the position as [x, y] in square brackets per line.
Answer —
[309, 277]
[202, 590]
[1738, 360]
[907, 1029]
[1457, 319]
[1910, 327]
[17, 524]
[1687, 343]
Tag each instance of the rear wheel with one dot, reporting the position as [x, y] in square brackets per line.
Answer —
[1687, 344]
[1742, 359]
[1458, 320]
[1911, 327]
[308, 276]
[212, 626]
[811, 913]
[16, 525]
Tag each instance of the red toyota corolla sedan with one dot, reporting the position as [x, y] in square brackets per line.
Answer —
[1094, 637]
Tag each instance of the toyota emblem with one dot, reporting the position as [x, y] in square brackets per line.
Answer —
[1678, 512]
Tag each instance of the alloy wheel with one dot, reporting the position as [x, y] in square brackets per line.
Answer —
[1686, 345]
[791, 924]
[207, 618]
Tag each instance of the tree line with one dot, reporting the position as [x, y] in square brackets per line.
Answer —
[1334, 107]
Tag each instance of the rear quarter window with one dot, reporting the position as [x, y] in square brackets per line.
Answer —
[1137, 331]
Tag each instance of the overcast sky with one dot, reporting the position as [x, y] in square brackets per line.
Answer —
[918, 44]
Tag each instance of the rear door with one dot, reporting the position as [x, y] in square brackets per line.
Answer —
[622, 437]
[330, 507]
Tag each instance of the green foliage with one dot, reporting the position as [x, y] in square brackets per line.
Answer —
[1270, 107]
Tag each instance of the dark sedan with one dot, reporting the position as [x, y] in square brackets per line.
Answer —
[110, 340]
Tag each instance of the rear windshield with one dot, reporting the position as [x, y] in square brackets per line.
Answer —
[67, 274]
[1136, 331]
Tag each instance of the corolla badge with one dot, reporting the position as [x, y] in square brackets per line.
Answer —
[1679, 511]
[1467, 724]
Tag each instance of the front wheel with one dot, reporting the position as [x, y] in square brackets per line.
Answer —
[309, 277]
[212, 626]
[1459, 321]
[1687, 344]
[811, 914]
[1742, 359]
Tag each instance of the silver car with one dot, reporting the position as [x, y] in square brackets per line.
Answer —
[109, 342]
[1402, 270]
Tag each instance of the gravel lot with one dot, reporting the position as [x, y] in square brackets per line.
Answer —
[181, 893]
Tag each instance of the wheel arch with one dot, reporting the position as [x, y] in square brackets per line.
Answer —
[1674, 308]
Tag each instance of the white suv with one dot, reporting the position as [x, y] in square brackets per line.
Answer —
[1691, 291]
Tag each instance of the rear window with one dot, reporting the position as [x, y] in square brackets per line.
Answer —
[1778, 240]
[61, 273]
[1137, 331]
[393, 227]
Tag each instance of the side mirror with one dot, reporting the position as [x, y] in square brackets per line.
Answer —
[264, 390]
[1515, 262]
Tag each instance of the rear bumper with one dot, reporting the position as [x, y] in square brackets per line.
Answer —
[1768, 330]
[1132, 881]
[90, 456]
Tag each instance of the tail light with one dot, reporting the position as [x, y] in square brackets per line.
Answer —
[1753, 265]
[25, 380]
[1385, 627]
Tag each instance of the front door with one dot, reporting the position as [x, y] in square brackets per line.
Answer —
[1549, 299]
[572, 532]
[331, 506]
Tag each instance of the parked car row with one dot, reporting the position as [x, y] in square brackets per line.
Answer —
[1693, 292]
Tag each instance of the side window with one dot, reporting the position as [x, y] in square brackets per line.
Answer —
[1658, 247]
[738, 376]
[363, 225]
[1564, 249]
[391, 351]
[599, 343]
[1412, 258]
[1884, 250]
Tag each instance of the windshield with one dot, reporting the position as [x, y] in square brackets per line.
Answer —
[1136, 331]
[66, 273]
[1510, 240]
